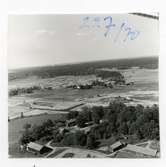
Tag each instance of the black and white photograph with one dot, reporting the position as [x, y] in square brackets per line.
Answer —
[83, 85]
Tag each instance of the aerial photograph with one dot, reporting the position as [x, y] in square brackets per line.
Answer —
[83, 85]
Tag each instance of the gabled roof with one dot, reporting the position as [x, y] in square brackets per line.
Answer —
[116, 144]
[141, 150]
[35, 146]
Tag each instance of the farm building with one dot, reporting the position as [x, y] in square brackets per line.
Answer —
[37, 148]
[141, 150]
[112, 148]
[117, 146]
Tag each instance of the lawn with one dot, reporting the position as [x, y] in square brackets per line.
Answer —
[15, 126]
[14, 152]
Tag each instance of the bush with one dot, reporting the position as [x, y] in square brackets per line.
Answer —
[68, 155]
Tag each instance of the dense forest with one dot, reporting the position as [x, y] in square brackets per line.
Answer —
[113, 75]
[136, 122]
[83, 68]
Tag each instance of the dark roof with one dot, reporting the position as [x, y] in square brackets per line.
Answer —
[116, 144]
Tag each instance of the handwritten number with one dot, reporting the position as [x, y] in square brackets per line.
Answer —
[134, 36]
[128, 29]
[118, 34]
[109, 25]
[95, 22]
[85, 22]
[131, 34]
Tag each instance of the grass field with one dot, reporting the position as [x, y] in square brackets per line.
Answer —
[15, 126]
[14, 152]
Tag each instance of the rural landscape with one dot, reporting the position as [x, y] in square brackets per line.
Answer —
[83, 86]
[96, 109]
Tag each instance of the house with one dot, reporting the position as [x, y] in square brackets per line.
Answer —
[37, 148]
[117, 146]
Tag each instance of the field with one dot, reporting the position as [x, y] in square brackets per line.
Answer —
[15, 126]
[144, 91]
[54, 104]
[15, 152]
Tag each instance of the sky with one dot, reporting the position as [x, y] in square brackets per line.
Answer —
[40, 40]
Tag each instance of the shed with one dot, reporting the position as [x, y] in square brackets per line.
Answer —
[117, 146]
[37, 148]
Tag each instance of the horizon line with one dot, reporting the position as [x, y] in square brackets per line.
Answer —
[74, 63]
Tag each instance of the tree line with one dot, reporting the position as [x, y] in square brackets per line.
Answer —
[84, 68]
[115, 120]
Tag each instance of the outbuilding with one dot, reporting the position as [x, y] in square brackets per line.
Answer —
[117, 146]
[141, 150]
[37, 148]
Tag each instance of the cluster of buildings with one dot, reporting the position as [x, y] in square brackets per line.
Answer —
[101, 82]
[118, 149]
[97, 82]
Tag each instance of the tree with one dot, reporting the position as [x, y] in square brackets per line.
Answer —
[91, 141]
[25, 138]
[27, 135]
[27, 126]
[103, 130]
[88, 156]
[112, 118]
[139, 134]
[48, 123]
[57, 137]
[69, 139]
[123, 128]
[132, 128]
[37, 132]
[80, 138]
[81, 120]
[72, 114]
[83, 117]
[97, 114]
